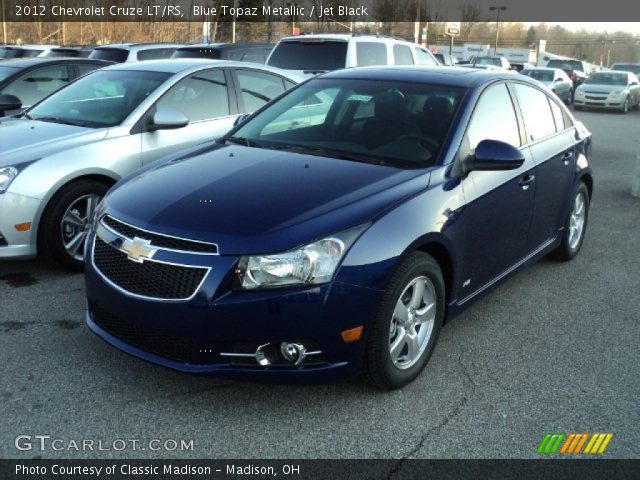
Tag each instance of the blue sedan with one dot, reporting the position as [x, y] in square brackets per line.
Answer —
[333, 231]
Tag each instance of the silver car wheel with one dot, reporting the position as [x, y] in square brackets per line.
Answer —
[75, 224]
[412, 322]
[576, 220]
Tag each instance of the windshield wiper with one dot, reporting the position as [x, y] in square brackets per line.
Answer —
[240, 141]
[326, 152]
[65, 121]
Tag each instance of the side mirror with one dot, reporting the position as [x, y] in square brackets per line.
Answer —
[167, 119]
[241, 118]
[494, 155]
[9, 102]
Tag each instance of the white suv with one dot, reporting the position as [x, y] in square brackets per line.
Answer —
[312, 54]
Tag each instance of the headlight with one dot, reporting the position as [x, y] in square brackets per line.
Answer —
[7, 174]
[309, 265]
[579, 92]
[617, 93]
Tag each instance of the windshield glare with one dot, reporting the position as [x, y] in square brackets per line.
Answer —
[608, 79]
[394, 123]
[100, 99]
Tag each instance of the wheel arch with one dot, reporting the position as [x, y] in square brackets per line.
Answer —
[441, 253]
[108, 180]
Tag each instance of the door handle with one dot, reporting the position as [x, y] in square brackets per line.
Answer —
[526, 181]
[566, 158]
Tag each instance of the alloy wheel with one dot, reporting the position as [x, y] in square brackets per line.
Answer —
[412, 322]
[75, 224]
[577, 220]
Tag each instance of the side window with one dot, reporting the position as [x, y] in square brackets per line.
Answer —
[538, 119]
[558, 116]
[371, 53]
[258, 88]
[36, 84]
[494, 118]
[402, 55]
[424, 58]
[202, 96]
[85, 68]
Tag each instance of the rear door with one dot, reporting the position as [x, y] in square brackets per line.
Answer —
[552, 144]
[206, 99]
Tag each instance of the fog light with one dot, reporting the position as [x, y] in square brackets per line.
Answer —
[293, 352]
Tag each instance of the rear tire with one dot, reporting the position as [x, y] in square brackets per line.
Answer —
[575, 226]
[406, 326]
[66, 221]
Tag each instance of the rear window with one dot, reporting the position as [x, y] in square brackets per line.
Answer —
[540, 75]
[197, 53]
[627, 67]
[311, 55]
[10, 52]
[117, 55]
[155, 53]
[60, 52]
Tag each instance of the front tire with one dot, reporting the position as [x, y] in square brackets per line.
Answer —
[407, 324]
[67, 220]
[575, 225]
[625, 106]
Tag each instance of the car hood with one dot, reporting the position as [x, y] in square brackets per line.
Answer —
[595, 87]
[23, 140]
[250, 200]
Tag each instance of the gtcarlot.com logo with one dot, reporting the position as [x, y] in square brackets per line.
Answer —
[574, 443]
[48, 442]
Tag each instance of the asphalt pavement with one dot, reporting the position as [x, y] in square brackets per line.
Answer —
[553, 350]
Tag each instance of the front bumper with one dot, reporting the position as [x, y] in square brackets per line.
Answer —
[605, 104]
[14, 210]
[196, 335]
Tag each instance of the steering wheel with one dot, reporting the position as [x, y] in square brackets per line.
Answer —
[424, 140]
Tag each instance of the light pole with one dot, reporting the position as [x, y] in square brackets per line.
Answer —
[497, 9]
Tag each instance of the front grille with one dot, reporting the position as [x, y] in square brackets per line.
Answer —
[159, 343]
[595, 98]
[157, 239]
[148, 279]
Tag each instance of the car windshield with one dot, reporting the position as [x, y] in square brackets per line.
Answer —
[310, 55]
[391, 123]
[566, 65]
[488, 61]
[100, 99]
[607, 79]
[196, 53]
[540, 75]
[6, 72]
[117, 55]
[628, 67]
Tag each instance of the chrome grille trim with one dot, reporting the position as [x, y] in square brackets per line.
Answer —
[145, 297]
[156, 234]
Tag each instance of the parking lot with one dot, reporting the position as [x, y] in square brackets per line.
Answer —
[553, 350]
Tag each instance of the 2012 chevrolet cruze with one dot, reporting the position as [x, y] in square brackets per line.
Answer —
[335, 229]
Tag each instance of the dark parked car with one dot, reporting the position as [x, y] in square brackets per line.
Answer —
[24, 82]
[240, 52]
[336, 228]
[133, 52]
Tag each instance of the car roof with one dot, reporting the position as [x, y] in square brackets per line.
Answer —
[454, 76]
[223, 45]
[344, 37]
[179, 65]
[32, 61]
[134, 46]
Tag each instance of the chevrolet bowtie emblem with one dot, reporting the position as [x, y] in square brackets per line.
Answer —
[138, 249]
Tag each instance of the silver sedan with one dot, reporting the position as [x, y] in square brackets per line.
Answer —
[61, 156]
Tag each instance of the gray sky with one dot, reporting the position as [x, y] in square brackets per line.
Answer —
[633, 27]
